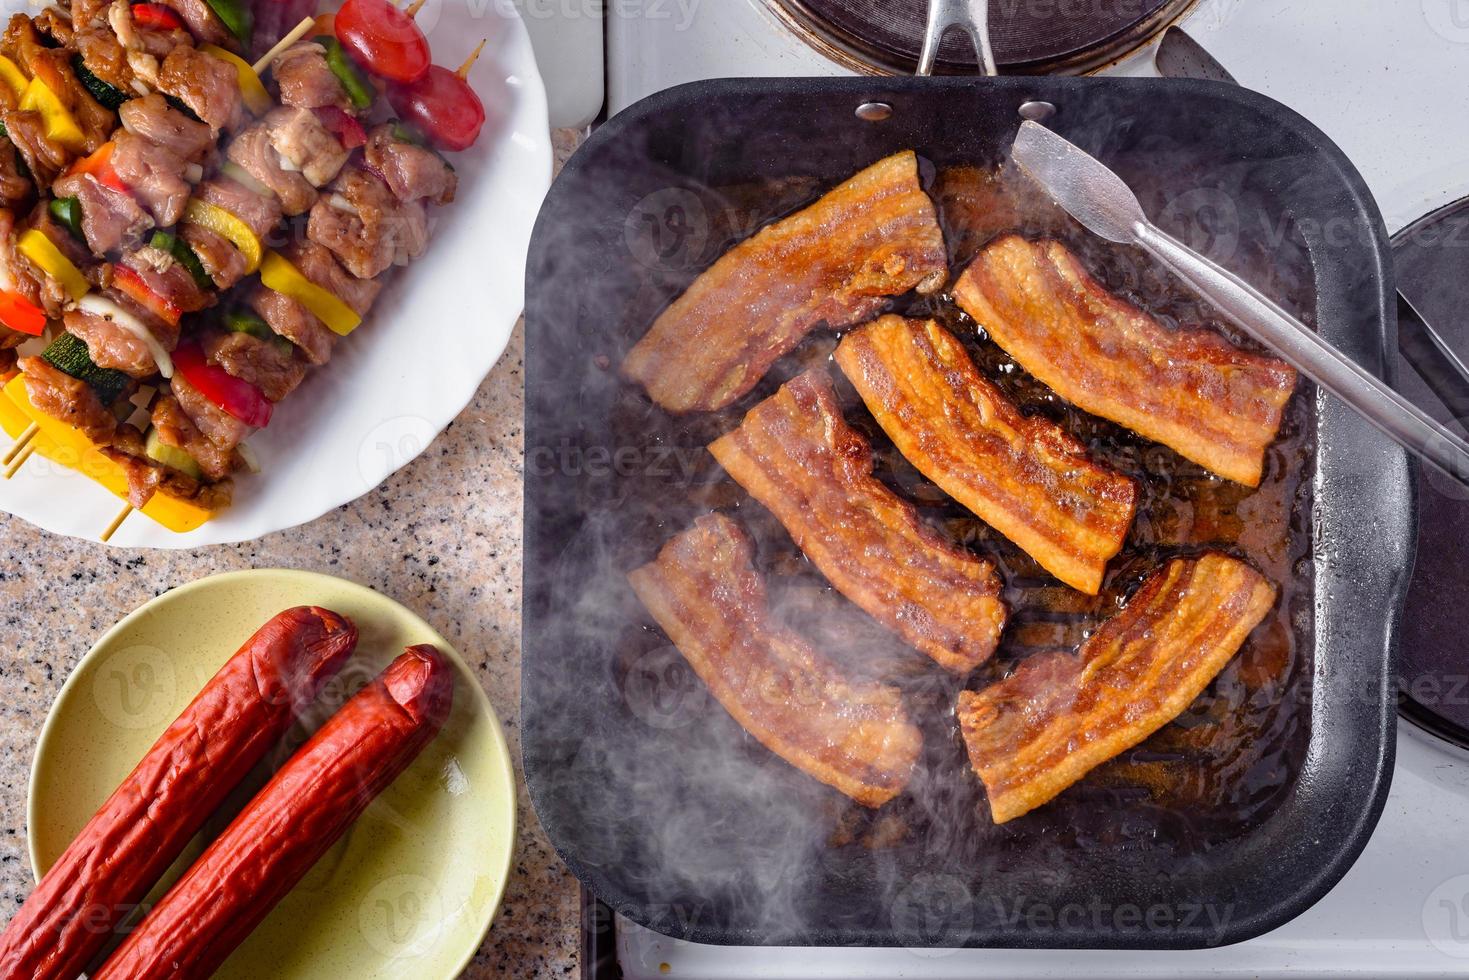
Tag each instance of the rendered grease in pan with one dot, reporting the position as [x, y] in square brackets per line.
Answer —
[1219, 770]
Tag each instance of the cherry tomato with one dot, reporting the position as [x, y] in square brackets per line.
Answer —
[383, 39]
[443, 106]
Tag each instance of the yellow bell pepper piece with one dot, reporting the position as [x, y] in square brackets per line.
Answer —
[65, 446]
[35, 246]
[13, 77]
[12, 420]
[279, 274]
[226, 225]
[60, 126]
[252, 90]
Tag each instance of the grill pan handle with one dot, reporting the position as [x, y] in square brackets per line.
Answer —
[972, 17]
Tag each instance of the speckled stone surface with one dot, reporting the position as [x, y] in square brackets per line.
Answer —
[443, 537]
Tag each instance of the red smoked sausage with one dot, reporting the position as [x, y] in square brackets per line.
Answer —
[147, 821]
[295, 819]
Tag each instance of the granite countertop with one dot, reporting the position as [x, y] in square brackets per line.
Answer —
[442, 537]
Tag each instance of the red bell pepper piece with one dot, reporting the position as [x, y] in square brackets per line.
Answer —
[99, 165]
[136, 289]
[157, 17]
[239, 398]
[21, 315]
[343, 126]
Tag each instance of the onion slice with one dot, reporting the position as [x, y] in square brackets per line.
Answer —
[246, 179]
[247, 455]
[108, 310]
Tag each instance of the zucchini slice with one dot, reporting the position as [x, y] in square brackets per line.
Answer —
[69, 355]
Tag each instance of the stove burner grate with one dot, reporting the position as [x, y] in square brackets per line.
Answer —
[1029, 36]
[1434, 667]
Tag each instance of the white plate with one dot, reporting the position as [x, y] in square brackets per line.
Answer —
[437, 329]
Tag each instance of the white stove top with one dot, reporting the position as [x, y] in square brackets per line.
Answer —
[1386, 82]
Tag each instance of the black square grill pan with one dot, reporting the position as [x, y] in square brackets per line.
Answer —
[671, 814]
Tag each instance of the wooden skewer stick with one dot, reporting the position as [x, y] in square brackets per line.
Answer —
[463, 71]
[122, 515]
[415, 7]
[19, 461]
[23, 441]
[297, 33]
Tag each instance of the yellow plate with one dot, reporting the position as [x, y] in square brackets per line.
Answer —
[415, 884]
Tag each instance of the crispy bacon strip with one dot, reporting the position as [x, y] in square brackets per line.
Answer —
[796, 455]
[1189, 389]
[1026, 477]
[852, 735]
[1045, 726]
[837, 262]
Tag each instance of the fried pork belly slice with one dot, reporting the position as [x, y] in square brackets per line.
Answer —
[1190, 389]
[1025, 477]
[1060, 715]
[837, 262]
[796, 455]
[852, 735]
[68, 400]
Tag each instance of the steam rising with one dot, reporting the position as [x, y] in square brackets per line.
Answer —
[673, 813]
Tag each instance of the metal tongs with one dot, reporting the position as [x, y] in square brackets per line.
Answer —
[1102, 201]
